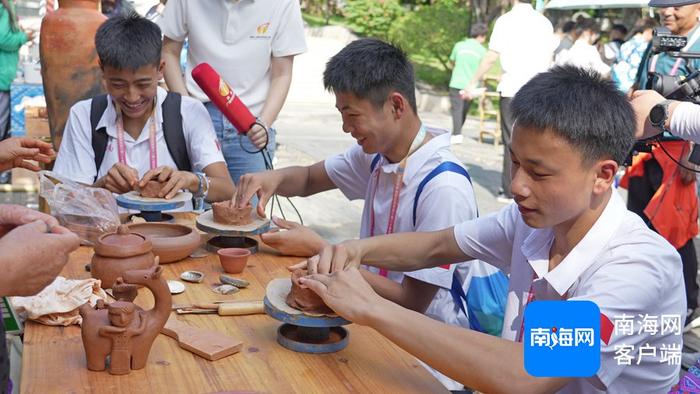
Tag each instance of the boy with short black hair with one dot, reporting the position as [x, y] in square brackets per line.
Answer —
[568, 236]
[409, 180]
[140, 132]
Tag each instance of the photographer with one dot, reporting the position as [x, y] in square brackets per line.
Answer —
[660, 191]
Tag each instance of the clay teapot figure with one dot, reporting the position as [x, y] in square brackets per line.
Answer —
[122, 330]
[70, 70]
[116, 253]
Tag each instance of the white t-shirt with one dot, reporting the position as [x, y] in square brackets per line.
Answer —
[238, 39]
[583, 55]
[620, 264]
[76, 158]
[446, 200]
[525, 41]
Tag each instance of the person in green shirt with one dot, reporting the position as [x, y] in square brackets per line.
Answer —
[465, 58]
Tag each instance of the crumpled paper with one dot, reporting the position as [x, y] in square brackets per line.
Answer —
[58, 303]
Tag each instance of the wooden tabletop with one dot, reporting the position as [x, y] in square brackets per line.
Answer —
[54, 361]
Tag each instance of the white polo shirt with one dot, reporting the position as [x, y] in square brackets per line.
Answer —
[446, 200]
[620, 264]
[238, 39]
[525, 41]
[76, 158]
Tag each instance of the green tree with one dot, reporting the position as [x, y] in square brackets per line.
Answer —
[372, 18]
[431, 31]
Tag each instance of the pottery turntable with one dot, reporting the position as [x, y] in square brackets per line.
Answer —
[152, 208]
[303, 332]
[231, 236]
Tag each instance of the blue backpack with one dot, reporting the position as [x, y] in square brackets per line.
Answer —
[484, 302]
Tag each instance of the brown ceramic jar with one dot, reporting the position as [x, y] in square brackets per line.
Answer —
[118, 252]
[69, 68]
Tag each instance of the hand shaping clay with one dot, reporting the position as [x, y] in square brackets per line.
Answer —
[152, 189]
[225, 212]
[305, 299]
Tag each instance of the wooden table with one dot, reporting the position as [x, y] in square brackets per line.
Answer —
[54, 360]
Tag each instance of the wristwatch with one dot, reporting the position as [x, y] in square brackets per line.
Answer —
[659, 114]
[203, 187]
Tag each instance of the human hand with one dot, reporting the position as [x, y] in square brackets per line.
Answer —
[332, 258]
[12, 216]
[176, 180]
[347, 293]
[15, 151]
[264, 184]
[120, 179]
[296, 240]
[30, 34]
[32, 256]
[642, 103]
[257, 135]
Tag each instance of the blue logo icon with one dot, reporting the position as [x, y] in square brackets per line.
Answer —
[562, 338]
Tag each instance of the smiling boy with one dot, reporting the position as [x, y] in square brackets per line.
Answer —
[138, 131]
[568, 236]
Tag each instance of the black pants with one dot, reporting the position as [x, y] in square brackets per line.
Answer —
[506, 132]
[641, 190]
[459, 111]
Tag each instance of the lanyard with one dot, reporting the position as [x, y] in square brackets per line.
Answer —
[418, 141]
[530, 298]
[674, 70]
[121, 146]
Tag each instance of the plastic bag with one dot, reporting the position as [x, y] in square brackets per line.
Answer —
[87, 211]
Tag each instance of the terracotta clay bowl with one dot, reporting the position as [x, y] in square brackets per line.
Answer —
[233, 260]
[171, 242]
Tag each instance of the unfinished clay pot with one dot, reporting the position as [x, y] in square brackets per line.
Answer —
[122, 330]
[233, 260]
[225, 212]
[171, 242]
[305, 299]
[116, 253]
[69, 67]
[152, 189]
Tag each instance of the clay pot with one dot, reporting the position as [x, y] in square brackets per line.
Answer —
[305, 299]
[69, 66]
[171, 242]
[116, 253]
[233, 260]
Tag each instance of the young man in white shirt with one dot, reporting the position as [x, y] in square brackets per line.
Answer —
[390, 169]
[251, 44]
[567, 237]
[135, 147]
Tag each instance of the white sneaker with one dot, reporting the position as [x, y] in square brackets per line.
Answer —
[457, 139]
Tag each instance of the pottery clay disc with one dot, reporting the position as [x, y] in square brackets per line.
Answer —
[181, 196]
[276, 293]
[206, 223]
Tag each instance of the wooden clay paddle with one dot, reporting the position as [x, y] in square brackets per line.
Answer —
[209, 344]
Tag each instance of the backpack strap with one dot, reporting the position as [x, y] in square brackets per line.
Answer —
[459, 297]
[445, 166]
[173, 132]
[375, 160]
[98, 105]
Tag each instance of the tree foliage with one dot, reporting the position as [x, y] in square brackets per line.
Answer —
[431, 31]
[372, 18]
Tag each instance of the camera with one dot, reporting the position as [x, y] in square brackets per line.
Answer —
[680, 88]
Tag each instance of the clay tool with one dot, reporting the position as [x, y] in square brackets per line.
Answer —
[235, 308]
[211, 345]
